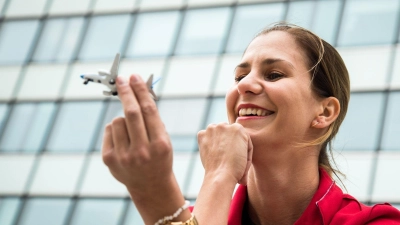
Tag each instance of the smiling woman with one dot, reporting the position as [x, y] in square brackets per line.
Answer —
[289, 99]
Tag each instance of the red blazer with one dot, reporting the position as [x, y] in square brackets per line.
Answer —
[328, 206]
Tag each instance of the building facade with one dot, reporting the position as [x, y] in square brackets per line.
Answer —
[51, 125]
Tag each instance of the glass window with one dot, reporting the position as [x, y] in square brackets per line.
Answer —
[98, 180]
[27, 126]
[182, 160]
[113, 6]
[58, 39]
[395, 79]
[391, 132]
[161, 4]
[104, 37]
[15, 171]
[208, 3]
[203, 31]
[57, 175]
[68, 7]
[43, 82]
[375, 75]
[3, 113]
[184, 142]
[114, 110]
[249, 20]
[147, 42]
[387, 182]
[189, 76]
[321, 17]
[74, 127]
[217, 113]
[357, 166]
[178, 123]
[25, 8]
[133, 216]
[145, 67]
[16, 38]
[196, 178]
[225, 78]
[1, 6]
[368, 22]
[39, 211]
[8, 210]
[9, 76]
[98, 211]
[361, 126]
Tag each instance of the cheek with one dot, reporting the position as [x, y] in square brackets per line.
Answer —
[231, 99]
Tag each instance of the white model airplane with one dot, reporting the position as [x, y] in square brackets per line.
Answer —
[109, 78]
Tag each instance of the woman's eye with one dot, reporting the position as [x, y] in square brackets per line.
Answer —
[239, 78]
[274, 76]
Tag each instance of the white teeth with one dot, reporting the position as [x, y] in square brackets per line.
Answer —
[252, 112]
[248, 112]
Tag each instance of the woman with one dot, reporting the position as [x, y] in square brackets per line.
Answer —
[290, 96]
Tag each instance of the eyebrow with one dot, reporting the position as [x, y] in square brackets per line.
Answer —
[268, 61]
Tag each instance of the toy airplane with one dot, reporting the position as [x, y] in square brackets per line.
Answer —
[109, 78]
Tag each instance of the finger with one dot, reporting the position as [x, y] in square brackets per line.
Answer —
[120, 135]
[107, 147]
[134, 122]
[151, 117]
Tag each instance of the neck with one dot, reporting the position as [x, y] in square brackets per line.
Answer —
[280, 192]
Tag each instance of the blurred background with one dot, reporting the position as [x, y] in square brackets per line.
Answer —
[51, 124]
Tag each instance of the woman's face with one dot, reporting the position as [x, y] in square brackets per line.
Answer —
[272, 97]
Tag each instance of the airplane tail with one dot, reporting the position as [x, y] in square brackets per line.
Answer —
[114, 67]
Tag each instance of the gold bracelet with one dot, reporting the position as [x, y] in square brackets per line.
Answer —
[191, 221]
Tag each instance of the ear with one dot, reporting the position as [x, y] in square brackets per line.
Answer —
[330, 109]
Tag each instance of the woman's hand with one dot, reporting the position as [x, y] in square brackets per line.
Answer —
[137, 148]
[226, 153]
[138, 153]
[226, 150]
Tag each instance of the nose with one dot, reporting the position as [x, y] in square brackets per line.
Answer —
[249, 84]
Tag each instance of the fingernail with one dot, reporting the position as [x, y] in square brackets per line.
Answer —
[121, 81]
[134, 79]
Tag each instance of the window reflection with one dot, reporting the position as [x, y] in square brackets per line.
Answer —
[104, 37]
[58, 40]
[39, 211]
[391, 133]
[75, 126]
[27, 127]
[182, 116]
[16, 38]
[249, 20]
[114, 110]
[203, 31]
[133, 216]
[98, 211]
[9, 207]
[184, 143]
[368, 22]
[321, 17]
[154, 34]
[3, 112]
[361, 127]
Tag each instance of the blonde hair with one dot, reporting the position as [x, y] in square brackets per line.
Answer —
[330, 78]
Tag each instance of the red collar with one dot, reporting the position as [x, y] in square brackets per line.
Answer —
[321, 209]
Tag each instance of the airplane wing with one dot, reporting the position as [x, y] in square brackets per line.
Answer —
[114, 67]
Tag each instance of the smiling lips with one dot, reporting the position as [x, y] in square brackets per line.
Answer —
[254, 112]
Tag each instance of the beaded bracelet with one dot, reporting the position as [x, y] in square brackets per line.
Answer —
[173, 216]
